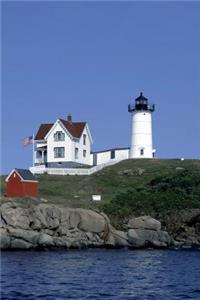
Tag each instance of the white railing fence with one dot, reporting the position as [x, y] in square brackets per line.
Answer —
[71, 171]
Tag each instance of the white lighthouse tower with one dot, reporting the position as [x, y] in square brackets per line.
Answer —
[141, 131]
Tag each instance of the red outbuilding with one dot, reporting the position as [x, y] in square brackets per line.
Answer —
[21, 183]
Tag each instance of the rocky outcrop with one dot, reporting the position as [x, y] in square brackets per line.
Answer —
[183, 226]
[144, 222]
[132, 172]
[45, 225]
[146, 232]
[48, 226]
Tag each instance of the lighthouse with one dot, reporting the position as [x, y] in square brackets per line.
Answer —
[141, 128]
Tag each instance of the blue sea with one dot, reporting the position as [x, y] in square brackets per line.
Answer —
[101, 274]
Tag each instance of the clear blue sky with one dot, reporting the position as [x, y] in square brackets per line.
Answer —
[91, 59]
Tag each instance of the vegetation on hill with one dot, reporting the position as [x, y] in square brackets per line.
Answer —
[132, 185]
[162, 193]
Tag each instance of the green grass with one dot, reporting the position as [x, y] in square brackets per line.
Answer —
[123, 192]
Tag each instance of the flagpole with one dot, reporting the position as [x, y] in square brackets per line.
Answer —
[33, 150]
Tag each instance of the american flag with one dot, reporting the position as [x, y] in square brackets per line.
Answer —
[28, 140]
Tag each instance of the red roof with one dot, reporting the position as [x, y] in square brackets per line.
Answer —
[42, 131]
[74, 128]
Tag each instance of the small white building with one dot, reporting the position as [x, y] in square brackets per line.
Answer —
[63, 144]
[105, 156]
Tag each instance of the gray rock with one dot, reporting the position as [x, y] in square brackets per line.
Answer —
[60, 242]
[4, 239]
[53, 216]
[140, 238]
[93, 239]
[64, 219]
[132, 172]
[38, 219]
[45, 240]
[50, 232]
[144, 222]
[15, 216]
[62, 231]
[164, 237]
[74, 218]
[2, 222]
[20, 244]
[158, 244]
[121, 238]
[48, 215]
[45, 225]
[36, 224]
[26, 235]
[110, 242]
[134, 240]
[90, 236]
[180, 168]
[91, 221]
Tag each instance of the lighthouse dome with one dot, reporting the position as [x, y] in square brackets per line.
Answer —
[141, 103]
[141, 98]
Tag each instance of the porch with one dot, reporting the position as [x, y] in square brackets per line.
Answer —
[40, 156]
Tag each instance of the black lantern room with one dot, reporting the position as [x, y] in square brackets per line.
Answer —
[141, 104]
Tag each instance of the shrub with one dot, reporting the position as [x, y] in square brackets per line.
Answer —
[161, 193]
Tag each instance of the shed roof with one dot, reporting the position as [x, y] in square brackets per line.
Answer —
[25, 174]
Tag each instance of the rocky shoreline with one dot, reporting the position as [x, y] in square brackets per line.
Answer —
[42, 225]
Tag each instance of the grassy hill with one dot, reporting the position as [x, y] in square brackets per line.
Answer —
[142, 185]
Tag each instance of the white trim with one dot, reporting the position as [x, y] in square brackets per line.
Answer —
[43, 140]
[11, 174]
[33, 149]
[67, 132]
[63, 127]
[14, 170]
[29, 180]
[89, 133]
[109, 150]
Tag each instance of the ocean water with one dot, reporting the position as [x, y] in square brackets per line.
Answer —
[100, 274]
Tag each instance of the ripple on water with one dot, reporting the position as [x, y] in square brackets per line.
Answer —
[101, 274]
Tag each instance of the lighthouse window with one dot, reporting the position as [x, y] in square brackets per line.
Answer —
[141, 152]
[112, 154]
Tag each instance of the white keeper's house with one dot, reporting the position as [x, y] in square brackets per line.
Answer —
[65, 147]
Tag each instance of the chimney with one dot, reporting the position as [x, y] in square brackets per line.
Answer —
[69, 118]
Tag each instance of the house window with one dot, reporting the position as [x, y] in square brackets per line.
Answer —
[59, 152]
[141, 152]
[76, 153]
[59, 136]
[112, 154]
[84, 139]
[84, 153]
